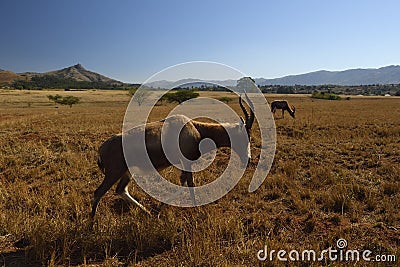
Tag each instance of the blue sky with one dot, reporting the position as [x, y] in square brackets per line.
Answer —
[131, 40]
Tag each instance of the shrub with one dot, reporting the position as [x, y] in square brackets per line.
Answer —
[180, 96]
[54, 97]
[327, 96]
[132, 91]
[225, 99]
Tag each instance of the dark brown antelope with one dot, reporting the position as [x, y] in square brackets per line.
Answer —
[112, 162]
[283, 105]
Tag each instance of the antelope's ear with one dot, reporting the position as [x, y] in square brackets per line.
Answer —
[241, 119]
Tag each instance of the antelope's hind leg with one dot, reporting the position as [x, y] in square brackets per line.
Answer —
[108, 181]
[122, 189]
[188, 178]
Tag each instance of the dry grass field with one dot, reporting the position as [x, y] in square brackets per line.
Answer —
[336, 174]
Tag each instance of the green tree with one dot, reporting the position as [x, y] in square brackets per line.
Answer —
[69, 100]
[246, 84]
[64, 100]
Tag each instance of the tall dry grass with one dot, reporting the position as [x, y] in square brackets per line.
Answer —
[335, 175]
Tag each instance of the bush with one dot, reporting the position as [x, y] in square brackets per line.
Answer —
[225, 99]
[132, 91]
[327, 96]
[54, 98]
[180, 96]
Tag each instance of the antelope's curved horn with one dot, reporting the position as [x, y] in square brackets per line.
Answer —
[246, 115]
[249, 118]
[249, 124]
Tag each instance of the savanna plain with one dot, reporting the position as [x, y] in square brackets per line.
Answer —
[336, 174]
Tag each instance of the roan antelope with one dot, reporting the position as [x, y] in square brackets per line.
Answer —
[112, 162]
[283, 105]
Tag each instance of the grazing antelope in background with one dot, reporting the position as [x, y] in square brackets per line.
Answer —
[112, 162]
[283, 105]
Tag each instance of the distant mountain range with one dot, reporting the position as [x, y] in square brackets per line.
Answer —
[384, 75]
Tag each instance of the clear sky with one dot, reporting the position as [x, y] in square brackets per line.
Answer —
[130, 40]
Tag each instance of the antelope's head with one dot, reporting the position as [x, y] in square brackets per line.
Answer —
[244, 129]
[293, 110]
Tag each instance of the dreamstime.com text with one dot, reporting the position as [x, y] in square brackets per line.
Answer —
[331, 254]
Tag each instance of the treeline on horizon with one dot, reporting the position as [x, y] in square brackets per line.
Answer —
[54, 82]
[372, 89]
